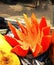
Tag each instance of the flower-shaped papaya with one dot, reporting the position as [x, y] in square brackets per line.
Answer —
[34, 36]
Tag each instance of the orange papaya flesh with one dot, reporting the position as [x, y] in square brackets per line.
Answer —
[23, 28]
[20, 51]
[46, 30]
[17, 33]
[27, 23]
[38, 50]
[46, 41]
[12, 41]
[13, 29]
[42, 23]
[34, 22]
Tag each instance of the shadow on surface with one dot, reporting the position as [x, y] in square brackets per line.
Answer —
[7, 10]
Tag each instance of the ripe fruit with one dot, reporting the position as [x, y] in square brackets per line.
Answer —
[6, 56]
[34, 36]
[4, 45]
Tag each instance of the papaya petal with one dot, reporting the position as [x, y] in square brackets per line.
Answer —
[46, 41]
[20, 51]
[21, 35]
[43, 23]
[34, 24]
[17, 33]
[27, 23]
[12, 41]
[38, 50]
[34, 20]
[23, 28]
[46, 30]
[13, 29]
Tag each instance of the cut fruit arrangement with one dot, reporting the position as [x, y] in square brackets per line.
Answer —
[32, 37]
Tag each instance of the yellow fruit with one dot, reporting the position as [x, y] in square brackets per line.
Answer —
[8, 59]
[6, 56]
[4, 45]
[2, 36]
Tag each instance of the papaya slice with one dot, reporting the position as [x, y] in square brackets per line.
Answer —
[12, 41]
[46, 41]
[23, 28]
[38, 50]
[42, 23]
[34, 22]
[17, 33]
[13, 29]
[46, 30]
[21, 50]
